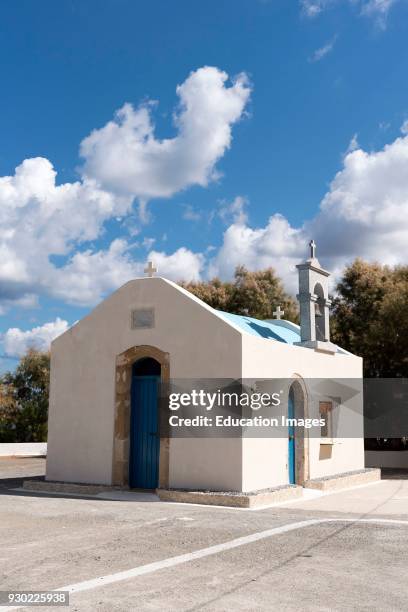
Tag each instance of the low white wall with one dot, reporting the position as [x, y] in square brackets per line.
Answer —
[23, 449]
[387, 459]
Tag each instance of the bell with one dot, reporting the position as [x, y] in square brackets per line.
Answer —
[318, 311]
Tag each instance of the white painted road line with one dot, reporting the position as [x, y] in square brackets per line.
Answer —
[192, 556]
[141, 570]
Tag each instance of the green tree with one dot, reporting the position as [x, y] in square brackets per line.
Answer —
[215, 293]
[256, 294]
[24, 399]
[370, 317]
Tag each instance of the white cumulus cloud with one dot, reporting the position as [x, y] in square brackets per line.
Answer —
[47, 229]
[40, 219]
[91, 274]
[183, 264]
[16, 342]
[277, 244]
[363, 214]
[126, 157]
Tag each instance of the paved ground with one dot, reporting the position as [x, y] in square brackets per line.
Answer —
[270, 559]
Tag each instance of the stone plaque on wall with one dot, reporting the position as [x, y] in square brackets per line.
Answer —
[142, 318]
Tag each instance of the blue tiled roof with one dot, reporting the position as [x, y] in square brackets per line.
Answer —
[282, 331]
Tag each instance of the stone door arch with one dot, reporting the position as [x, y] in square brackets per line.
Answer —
[301, 411]
[124, 362]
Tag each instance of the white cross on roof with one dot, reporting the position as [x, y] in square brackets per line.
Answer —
[278, 314]
[150, 270]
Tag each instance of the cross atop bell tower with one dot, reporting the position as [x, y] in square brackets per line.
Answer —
[314, 304]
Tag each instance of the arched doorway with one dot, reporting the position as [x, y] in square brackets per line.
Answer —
[144, 424]
[298, 447]
[122, 420]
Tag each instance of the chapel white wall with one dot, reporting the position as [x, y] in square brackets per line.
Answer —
[82, 394]
[265, 461]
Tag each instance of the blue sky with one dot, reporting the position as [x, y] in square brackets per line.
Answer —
[305, 137]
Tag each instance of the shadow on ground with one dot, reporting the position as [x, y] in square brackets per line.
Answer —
[394, 474]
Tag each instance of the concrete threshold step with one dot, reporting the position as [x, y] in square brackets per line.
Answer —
[344, 480]
[237, 499]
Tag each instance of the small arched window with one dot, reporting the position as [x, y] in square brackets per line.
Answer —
[320, 320]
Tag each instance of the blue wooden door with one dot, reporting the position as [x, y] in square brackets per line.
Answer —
[144, 434]
[291, 440]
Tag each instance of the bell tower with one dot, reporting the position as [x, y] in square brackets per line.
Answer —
[314, 304]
